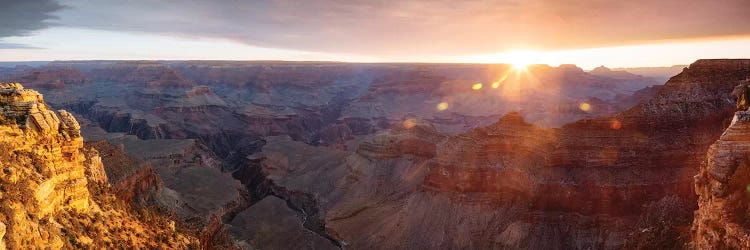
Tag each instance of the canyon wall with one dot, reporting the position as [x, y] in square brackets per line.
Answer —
[721, 221]
[624, 180]
[414, 156]
[55, 193]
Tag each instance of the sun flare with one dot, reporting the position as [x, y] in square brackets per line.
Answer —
[520, 65]
[521, 59]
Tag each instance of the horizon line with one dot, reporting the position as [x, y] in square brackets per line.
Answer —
[350, 62]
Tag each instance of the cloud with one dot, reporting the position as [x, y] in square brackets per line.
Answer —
[21, 17]
[418, 27]
[15, 46]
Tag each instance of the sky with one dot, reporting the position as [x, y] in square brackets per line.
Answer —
[589, 33]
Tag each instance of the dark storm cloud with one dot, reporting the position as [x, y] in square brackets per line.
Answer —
[21, 17]
[382, 27]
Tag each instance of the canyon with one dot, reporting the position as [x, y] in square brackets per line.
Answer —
[318, 155]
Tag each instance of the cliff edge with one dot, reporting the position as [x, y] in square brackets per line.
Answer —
[54, 192]
[723, 185]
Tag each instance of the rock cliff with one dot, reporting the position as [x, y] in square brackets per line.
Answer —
[132, 180]
[53, 192]
[723, 185]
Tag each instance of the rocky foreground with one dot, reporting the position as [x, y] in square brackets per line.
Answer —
[55, 194]
[723, 185]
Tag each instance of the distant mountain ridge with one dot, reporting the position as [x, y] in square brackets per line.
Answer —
[660, 74]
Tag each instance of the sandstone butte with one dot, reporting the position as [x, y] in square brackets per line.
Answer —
[54, 192]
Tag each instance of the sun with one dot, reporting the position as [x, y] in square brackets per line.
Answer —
[519, 65]
[521, 59]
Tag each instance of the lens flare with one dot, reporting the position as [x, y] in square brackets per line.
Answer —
[585, 107]
[442, 106]
[616, 125]
[521, 59]
[410, 123]
[495, 85]
[477, 86]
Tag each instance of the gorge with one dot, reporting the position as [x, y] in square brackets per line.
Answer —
[280, 155]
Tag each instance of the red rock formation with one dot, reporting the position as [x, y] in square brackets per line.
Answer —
[95, 174]
[722, 184]
[179, 177]
[53, 192]
[413, 137]
[159, 78]
[594, 175]
[216, 235]
[492, 159]
[141, 183]
[132, 180]
[49, 77]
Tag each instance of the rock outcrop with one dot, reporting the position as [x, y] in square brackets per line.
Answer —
[723, 186]
[53, 145]
[132, 180]
[52, 191]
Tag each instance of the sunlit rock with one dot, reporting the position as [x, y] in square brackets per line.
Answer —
[722, 185]
[53, 190]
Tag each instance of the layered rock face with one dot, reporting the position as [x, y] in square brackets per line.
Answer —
[59, 160]
[605, 183]
[722, 186]
[415, 156]
[179, 175]
[147, 73]
[230, 106]
[131, 179]
[55, 193]
[52, 77]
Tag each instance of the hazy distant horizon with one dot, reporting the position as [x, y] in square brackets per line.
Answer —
[42, 63]
[587, 33]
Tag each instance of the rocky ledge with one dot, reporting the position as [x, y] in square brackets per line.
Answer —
[54, 193]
